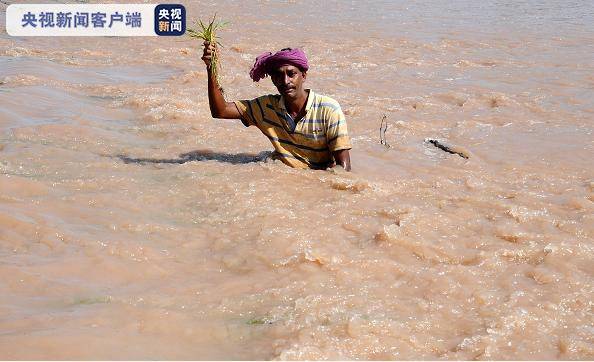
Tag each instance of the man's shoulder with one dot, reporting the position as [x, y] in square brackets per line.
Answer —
[325, 98]
[325, 102]
[269, 98]
[265, 99]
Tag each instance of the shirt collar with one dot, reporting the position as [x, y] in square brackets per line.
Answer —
[308, 104]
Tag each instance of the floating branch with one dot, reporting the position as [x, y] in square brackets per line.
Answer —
[448, 148]
[382, 130]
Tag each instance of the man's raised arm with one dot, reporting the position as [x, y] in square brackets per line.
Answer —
[219, 108]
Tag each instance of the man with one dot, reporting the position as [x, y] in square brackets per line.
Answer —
[307, 130]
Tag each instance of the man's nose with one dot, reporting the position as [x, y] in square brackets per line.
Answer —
[286, 79]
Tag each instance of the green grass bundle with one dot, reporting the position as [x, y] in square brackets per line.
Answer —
[209, 33]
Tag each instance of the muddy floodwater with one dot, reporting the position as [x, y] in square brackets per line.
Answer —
[135, 226]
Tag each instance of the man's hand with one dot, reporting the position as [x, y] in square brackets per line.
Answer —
[219, 108]
[342, 158]
[209, 50]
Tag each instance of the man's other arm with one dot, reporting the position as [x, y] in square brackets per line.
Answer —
[342, 158]
[219, 108]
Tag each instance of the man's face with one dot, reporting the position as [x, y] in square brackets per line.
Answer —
[288, 79]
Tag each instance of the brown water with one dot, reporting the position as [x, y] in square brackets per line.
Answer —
[134, 226]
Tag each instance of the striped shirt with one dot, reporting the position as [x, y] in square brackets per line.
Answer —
[307, 143]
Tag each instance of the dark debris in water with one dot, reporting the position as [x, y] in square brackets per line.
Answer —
[382, 131]
[94, 300]
[258, 321]
[447, 148]
[199, 155]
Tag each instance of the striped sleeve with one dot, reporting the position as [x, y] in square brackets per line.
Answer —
[251, 110]
[336, 131]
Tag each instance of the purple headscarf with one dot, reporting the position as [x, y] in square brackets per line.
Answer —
[265, 62]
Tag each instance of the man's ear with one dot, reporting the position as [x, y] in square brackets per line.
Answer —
[304, 73]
